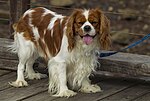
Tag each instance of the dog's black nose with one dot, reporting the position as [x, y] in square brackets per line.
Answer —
[87, 28]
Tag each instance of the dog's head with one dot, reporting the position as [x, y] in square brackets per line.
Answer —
[88, 25]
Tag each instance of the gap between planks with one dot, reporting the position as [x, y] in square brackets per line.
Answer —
[132, 85]
[32, 95]
[142, 95]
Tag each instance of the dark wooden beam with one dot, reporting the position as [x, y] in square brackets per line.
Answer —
[13, 15]
[25, 5]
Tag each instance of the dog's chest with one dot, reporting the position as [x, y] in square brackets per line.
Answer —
[82, 61]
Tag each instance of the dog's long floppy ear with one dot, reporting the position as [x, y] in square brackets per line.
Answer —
[105, 39]
[70, 29]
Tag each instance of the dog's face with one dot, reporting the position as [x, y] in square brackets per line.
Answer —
[88, 25]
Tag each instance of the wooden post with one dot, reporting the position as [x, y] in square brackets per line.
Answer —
[13, 15]
[25, 4]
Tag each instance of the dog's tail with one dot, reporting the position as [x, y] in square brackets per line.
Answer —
[13, 46]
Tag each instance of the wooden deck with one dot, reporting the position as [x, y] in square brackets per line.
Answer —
[114, 89]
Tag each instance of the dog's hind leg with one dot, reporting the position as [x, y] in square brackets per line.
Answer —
[29, 72]
[24, 48]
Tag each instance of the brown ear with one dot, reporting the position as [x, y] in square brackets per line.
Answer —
[70, 30]
[105, 40]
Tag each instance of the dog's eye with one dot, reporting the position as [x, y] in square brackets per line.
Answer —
[94, 22]
[80, 23]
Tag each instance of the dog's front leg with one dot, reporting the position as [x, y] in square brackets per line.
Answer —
[58, 79]
[64, 91]
[87, 87]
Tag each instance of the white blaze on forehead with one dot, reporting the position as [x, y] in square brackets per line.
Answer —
[86, 14]
[92, 31]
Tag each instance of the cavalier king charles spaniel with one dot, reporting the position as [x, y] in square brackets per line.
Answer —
[69, 44]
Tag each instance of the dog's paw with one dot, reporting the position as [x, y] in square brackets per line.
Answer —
[32, 76]
[90, 89]
[66, 93]
[19, 83]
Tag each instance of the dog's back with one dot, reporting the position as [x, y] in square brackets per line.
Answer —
[42, 27]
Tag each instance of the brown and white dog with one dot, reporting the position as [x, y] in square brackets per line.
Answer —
[68, 43]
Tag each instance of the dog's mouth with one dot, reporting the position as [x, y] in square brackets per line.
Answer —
[88, 39]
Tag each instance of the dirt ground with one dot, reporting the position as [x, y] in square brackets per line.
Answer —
[130, 20]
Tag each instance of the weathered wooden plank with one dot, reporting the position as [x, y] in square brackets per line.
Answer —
[15, 94]
[107, 74]
[126, 63]
[5, 79]
[5, 50]
[128, 94]
[8, 64]
[44, 96]
[145, 97]
[3, 72]
[109, 87]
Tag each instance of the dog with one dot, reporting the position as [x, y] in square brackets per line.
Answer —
[69, 44]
